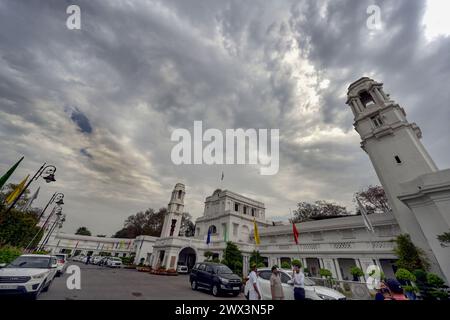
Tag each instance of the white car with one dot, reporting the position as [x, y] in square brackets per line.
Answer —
[96, 259]
[181, 268]
[29, 275]
[312, 291]
[114, 262]
[61, 260]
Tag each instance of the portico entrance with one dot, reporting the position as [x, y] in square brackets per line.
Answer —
[187, 257]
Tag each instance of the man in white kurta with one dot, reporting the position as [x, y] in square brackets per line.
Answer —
[254, 291]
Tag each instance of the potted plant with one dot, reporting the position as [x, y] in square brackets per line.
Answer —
[356, 273]
[406, 280]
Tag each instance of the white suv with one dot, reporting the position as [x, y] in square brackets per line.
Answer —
[312, 291]
[29, 274]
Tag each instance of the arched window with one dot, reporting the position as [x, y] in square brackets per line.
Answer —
[179, 194]
[365, 98]
[213, 229]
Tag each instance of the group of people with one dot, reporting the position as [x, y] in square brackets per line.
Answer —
[391, 290]
[276, 287]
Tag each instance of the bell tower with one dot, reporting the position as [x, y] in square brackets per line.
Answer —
[394, 148]
[172, 220]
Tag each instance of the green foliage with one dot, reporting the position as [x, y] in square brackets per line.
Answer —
[17, 228]
[285, 265]
[41, 252]
[296, 263]
[232, 257]
[404, 275]
[434, 280]
[257, 259]
[325, 273]
[9, 253]
[127, 260]
[83, 231]
[409, 256]
[410, 288]
[444, 239]
[356, 272]
[317, 211]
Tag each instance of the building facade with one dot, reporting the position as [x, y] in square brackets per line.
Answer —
[418, 193]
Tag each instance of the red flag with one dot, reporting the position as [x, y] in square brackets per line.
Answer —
[295, 232]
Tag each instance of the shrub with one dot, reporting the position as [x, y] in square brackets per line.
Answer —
[409, 256]
[9, 253]
[404, 275]
[434, 280]
[285, 265]
[356, 272]
[296, 263]
[325, 273]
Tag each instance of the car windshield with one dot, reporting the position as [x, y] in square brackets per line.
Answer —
[60, 256]
[30, 262]
[223, 270]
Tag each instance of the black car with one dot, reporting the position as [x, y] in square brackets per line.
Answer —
[216, 277]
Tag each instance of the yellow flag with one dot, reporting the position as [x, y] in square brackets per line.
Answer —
[255, 226]
[13, 195]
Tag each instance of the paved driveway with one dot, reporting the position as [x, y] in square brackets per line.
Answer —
[125, 284]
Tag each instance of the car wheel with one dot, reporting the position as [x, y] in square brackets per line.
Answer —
[194, 285]
[215, 290]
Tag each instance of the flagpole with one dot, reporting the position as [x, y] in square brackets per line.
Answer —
[35, 177]
[369, 227]
[296, 243]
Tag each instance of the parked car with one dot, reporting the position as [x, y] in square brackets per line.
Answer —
[114, 262]
[103, 261]
[181, 268]
[96, 259]
[215, 277]
[29, 275]
[312, 291]
[61, 260]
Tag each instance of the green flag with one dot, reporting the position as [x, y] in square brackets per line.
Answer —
[6, 176]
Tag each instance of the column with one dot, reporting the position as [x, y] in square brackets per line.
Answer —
[338, 269]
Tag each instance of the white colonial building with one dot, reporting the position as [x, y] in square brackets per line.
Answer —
[418, 193]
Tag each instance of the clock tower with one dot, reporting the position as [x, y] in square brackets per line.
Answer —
[172, 220]
[394, 147]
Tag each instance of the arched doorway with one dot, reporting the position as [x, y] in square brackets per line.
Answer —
[187, 257]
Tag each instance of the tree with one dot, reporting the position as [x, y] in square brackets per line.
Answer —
[318, 210]
[232, 257]
[187, 228]
[257, 259]
[17, 228]
[409, 256]
[83, 231]
[444, 239]
[374, 199]
[148, 223]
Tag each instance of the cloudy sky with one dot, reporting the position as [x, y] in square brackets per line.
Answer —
[100, 103]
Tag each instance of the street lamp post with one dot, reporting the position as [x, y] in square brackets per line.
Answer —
[58, 197]
[56, 209]
[50, 177]
[58, 222]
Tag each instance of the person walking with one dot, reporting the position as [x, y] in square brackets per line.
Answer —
[299, 283]
[254, 292]
[275, 284]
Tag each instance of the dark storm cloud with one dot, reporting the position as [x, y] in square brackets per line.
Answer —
[138, 70]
